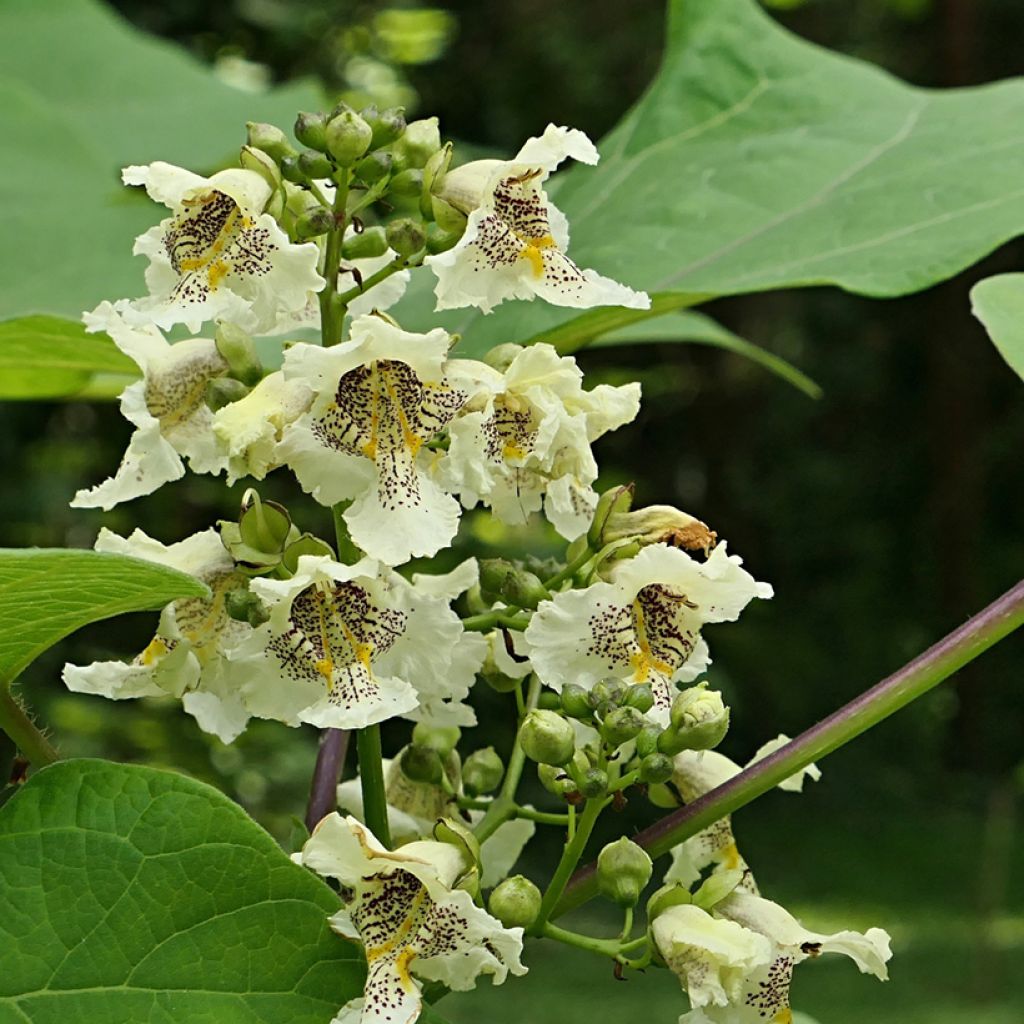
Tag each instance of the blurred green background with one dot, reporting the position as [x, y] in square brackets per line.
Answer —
[884, 513]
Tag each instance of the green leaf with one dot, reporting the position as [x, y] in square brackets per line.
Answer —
[136, 896]
[998, 302]
[45, 594]
[47, 357]
[690, 327]
[756, 161]
[82, 94]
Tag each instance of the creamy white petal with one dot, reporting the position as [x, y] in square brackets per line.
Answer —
[795, 783]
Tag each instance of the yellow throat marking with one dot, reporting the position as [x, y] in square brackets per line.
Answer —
[644, 660]
[533, 251]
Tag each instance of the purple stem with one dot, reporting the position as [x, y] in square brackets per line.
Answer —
[330, 757]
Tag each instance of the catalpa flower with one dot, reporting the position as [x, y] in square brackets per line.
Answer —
[380, 398]
[698, 772]
[219, 256]
[187, 657]
[643, 626]
[515, 240]
[412, 921]
[737, 962]
[346, 646]
[525, 437]
[168, 408]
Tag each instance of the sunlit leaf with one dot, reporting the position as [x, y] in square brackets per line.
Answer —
[998, 302]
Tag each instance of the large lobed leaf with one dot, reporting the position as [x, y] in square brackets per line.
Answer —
[756, 160]
[130, 895]
[45, 594]
[82, 93]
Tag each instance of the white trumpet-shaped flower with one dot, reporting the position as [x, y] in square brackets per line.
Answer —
[167, 407]
[695, 773]
[515, 239]
[737, 962]
[346, 646]
[525, 437]
[187, 657]
[643, 625]
[412, 921]
[380, 397]
[219, 256]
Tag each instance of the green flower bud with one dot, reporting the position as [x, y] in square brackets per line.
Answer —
[593, 783]
[647, 740]
[482, 773]
[662, 796]
[222, 391]
[407, 184]
[311, 130]
[298, 200]
[621, 725]
[419, 142]
[608, 692]
[238, 351]
[550, 701]
[618, 499]
[270, 139]
[440, 738]
[314, 164]
[439, 240]
[699, 717]
[640, 697]
[501, 580]
[263, 164]
[347, 137]
[422, 764]
[243, 605]
[435, 169]
[448, 218]
[547, 737]
[658, 524]
[291, 171]
[264, 525]
[623, 869]
[406, 236]
[368, 243]
[555, 779]
[313, 223]
[574, 701]
[374, 167]
[670, 895]
[515, 902]
[386, 126]
[655, 769]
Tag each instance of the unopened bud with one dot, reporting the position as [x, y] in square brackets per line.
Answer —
[386, 126]
[311, 130]
[252, 159]
[313, 223]
[314, 164]
[659, 524]
[291, 171]
[546, 737]
[419, 142]
[243, 605]
[369, 243]
[270, 139]
[407, 185]
[640, 697]
[501, 580]
[440, 738]
[222, 391]
[515, 902]
[555, 779]
[449, 218]
[347, 137]
[623, 869]
[238, 351]
[574, 701]
[699, 718]
[482, 773]
[593, 783]
[421, 764]
[656, 769]
[439, 240]
[374, 167]
[435, 169]
[621, 725]
[647, 740]
[608, 692]
[615, 501]
[406, 236]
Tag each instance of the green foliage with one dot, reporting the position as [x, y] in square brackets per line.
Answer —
[132, 895]
[81, 95]
[757, 161]
[47, 594]
[998, 302]
[47, 357]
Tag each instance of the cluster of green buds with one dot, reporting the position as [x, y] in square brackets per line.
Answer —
[244, 371]
[374, 155]
[264, 541]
